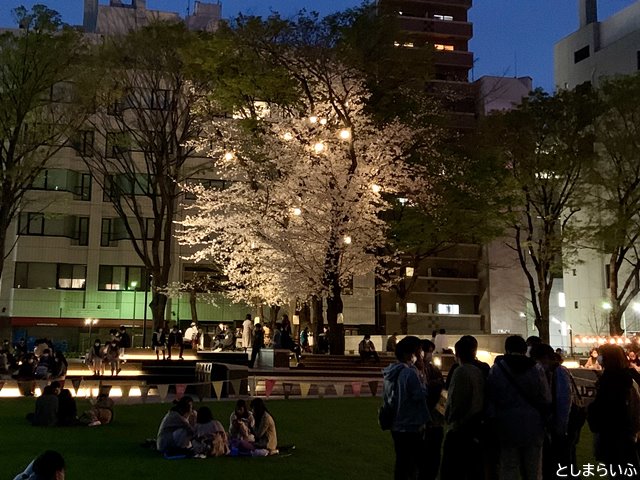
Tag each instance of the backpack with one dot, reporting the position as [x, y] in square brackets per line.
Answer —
[387, 411]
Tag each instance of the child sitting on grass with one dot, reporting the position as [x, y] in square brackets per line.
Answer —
[210, 439]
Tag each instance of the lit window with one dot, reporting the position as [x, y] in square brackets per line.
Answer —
[448, 18]
[448, 309]
[409, 271]
[442, 47]
[412, 308]
[561, 300]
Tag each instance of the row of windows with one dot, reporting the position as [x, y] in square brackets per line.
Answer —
[37, 224]
[63, 180]
[64, 276]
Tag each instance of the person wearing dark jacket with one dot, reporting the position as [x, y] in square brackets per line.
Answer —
[47, 466]
[484, 367]
[614, 415]
[463, 415]
[404, 390]
[257, 344]
[175, 338]
[519, 403]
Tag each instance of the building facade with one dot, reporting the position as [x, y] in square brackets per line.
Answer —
[598, 49]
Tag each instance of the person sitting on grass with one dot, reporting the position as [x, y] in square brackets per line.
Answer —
[100, 414]
[47, 404]
[210, 439]
[266, 439]
[47, 466]
[241, 426]
[67, 409]
[176, 430]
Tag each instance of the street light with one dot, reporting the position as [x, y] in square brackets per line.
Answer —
[90, 322]
[134, 284]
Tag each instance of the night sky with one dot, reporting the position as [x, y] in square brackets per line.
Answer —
[511, 37]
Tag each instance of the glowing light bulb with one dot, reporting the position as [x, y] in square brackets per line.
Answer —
[297, 211]
[288, 136]
[345, 134]
[323, 121]
[319, 147]
[228, 156]
[376, 188]
[313, 119]
[347, 240]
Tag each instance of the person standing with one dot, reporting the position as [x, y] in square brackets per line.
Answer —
[463, 415]
[190, 338]
[175, 338]
[159, 342]
[405, 392]
[257, 345]
[519, 403]
[247, 329]
[304, 340]
[392, 341]
[614, 414]
[124, 342]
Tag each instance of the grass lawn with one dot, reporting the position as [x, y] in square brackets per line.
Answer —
[335, 439]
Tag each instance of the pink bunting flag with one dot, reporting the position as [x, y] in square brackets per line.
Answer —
[268, 386]
[355, 387]
[180, 389]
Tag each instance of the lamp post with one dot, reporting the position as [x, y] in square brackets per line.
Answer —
[144, 318]
[90, 322]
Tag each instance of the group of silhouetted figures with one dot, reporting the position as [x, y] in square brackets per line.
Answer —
[520, 418]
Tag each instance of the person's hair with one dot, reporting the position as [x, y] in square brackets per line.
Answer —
[613, 357]
[65, 394]
[241, 403]
[46, 351]
[367, 336]
[533, 340]
[472, 341]
[406, 347]
[183, 405]
[542, 351]
[442, 331]
[48, 390]
[55, 384]
[515, 344]
[434, 333]
[427, 345]
[122, 327]
[48, 464]
[248, 316]
[466, 349]
[204, 415]
[259, 409]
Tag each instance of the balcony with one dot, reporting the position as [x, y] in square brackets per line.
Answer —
[425, 323]
[433, 27]
[459, 59]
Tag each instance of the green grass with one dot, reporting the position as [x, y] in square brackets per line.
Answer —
[334, 438]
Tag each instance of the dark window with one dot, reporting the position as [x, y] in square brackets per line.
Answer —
[84, 189]
[607, 276]
[50, 275]
[83, 141]
[117, 145]
[83, 231]
[31, 224]
[575, 304]
[581, 54]
[638, 59]
[105, 236]
[208, 184]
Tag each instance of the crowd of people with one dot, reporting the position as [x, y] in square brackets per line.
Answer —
[111, 354]
[57, 407]
[520, 418]
[184, 432]
[43, 363]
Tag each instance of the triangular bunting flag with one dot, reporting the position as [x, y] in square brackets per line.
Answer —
[125, 389]
[1, 385]
[163, 390]
[252, 386]
[217, 388]
[287, 387]
[355, 387]
[339, 389]
[236, 386]
[304, 389]
[144, 392]
[373, 386]
[321, 389]
[180, 389]
[268, 386]
[76, 382]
